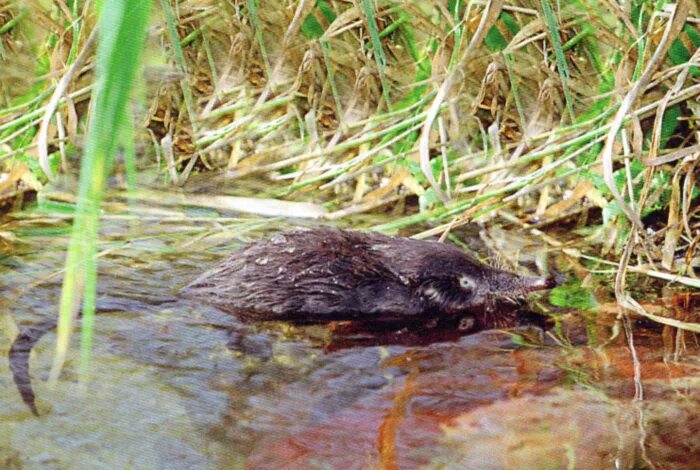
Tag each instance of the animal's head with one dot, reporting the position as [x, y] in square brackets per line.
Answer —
[453, 282]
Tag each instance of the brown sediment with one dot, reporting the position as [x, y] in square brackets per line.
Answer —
[386, 436]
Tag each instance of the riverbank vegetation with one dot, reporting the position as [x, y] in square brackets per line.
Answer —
[575, 122]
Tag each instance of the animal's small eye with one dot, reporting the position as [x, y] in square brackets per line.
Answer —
[466, 282]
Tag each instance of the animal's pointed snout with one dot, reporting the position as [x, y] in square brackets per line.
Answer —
[509, 283]
[542, 283]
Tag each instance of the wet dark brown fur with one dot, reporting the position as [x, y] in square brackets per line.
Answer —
[323, 275]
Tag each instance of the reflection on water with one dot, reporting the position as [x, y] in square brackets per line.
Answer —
[177, 384]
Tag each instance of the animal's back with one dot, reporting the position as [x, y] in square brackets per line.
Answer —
[309, 276]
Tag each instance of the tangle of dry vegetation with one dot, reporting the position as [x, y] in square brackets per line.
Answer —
[536, 113]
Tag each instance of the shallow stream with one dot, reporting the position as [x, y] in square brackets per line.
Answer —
[178, 384]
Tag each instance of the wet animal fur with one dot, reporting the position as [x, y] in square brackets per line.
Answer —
[323, 275]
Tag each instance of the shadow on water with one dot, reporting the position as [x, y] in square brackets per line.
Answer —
[178, 384]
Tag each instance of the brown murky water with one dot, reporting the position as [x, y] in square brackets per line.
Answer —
[177, 384]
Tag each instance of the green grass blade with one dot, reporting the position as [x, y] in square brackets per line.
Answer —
[253, 10]
[122, 35]
[179, 58]
[558, 54]
[378, 51]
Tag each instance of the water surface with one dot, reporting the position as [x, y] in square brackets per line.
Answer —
[179, 384]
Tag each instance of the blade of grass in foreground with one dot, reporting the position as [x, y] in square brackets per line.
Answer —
[122, 33]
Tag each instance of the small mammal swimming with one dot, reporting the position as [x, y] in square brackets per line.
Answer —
[323, 275]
